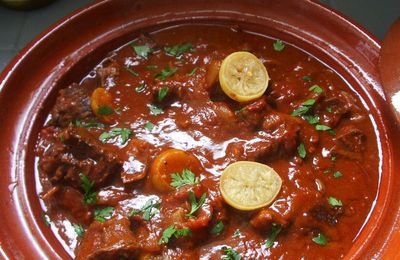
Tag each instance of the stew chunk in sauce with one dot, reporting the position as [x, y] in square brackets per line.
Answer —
[130, 159]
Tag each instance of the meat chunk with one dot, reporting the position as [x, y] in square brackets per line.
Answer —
[351, 138]
[108, 72]
[74, 151]
[252, 114]
[265, 217]
[138, 157]
[112, 239]
[72, 103]
[329, 215]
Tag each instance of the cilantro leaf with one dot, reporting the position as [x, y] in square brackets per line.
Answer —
[131, 71]
[104, 110]
[329, 109]
[309, 102]
[301, 150]
[151, 67]
[165, 73]
[46, 219]
[171, 231]
[149, 209]
[230, 254]
[192, 72]
[317, 89]
[322, 127]
[78, 229]
[275, 230]
[142, 50]
[123, 133]
[334, 202]
[103, 214]
[155, 110]
[320, 240]
[91, 124]
[307, 78]
[218, 228]
[162, 93]
[337, 174]
[149, 126]
[141, 87]
[237, 233]
[303, 109]
[179, 49]
[195, 205]
[279, 45]
[311, 119]
[186, 178]
[90, 196]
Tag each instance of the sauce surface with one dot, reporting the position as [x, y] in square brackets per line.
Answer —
[97, 149]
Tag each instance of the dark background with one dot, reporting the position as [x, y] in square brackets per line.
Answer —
[17, 28]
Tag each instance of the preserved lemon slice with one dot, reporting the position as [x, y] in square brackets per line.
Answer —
[243, 77]
[249, 185]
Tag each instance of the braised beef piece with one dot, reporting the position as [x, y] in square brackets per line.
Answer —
[72, 103]
[112, 239]
[136, 165]
[107, 72]
[252, 114]
[351, 138]
[74, 151]
[263, 219]
[328, 215]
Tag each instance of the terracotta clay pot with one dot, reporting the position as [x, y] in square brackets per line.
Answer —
[68, 51]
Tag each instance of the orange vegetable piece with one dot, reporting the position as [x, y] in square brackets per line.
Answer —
[101, 103]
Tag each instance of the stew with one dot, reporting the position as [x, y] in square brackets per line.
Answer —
[130, 158]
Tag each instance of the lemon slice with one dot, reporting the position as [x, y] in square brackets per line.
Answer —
[249, 185]
[243, 77]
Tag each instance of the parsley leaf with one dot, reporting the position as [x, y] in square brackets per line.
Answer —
[151, 67]
[186, 178]
[155, 110]
[162, 93]
[46, 219]
[195, 205]
[103, 214]
[104, 110]
[149, 209]
[322, 127]
[141, 87]
[320, 240]
[149, 126]
[311, 119]
[279, 45]
[317, 89]
[179, 49]
[237, 233]
[193, 72]
[173, 231]
[90, 196]
[131, 71]
[337, 174]
[218, 228]
[78, 229]
[240, 110]
[329, 109]
[334, 202]
[307, 78]
[305, 106]
[230, 254]
[301, 150]
[165, 73]
[124, 134]
[142, 50]
[275, 230]
[309, 102]
[91, 124]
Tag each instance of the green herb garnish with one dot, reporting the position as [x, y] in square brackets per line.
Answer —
[194, 204]
[317, 89]
[179, 49]
[132, 72]
[329, 109]
[149, 126]
[46, 219]
[337, 174]
[123, 133]
[320, 240]
[141, 87]
[165, 73]
[186, 178]
[311, 119]
[173, 231]
[333, 158]
[155, 110]
[230, 254]
[322, 127]
[279, 45]
[237, 233]
[275, 230]
[103, 214]
[162, 92]
[192, 72]
[303, 109]
[151, 67]
[301, 150]
[78, 229]
[104, 110]
[91, 124]
[149, 210]
[218, 228]
[90, 196]
[334, 202]
[142, 50]
[307, 78]
[240, 110]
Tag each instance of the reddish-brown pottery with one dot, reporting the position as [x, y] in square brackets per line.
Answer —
[66, 52]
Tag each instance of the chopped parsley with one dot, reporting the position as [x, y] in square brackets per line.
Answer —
[78, 229]
[331, 132]
[186, 178]
[333, 158]
[193, 72]
[194, 204]
[91, 124]
[218, 228]
[279, 45]
[304, 108]
[307, 78]
[337, 174]
[149, 126]
[237, 233]
[103, 214]
[142, 50]
[240, 110]
[334, 202]
[165, 73]
[155, 110]
[141, 87]
[149, 209]
[328, 171]
[329, 109]
[131, 71]
[322, 127]
[105, 110]
[90, 196]
[317, 89]
[230, 254]
[301, 150]
[312, 119]
[46, 219]
[171, 231]
[179, 49]
[162, 93]
[275, 230]
[151, 67]
[123, 133]
[309, 102]
[320, 240]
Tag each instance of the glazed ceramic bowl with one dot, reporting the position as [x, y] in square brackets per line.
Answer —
[67, 52]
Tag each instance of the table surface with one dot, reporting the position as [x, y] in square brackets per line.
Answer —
[17, 28]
